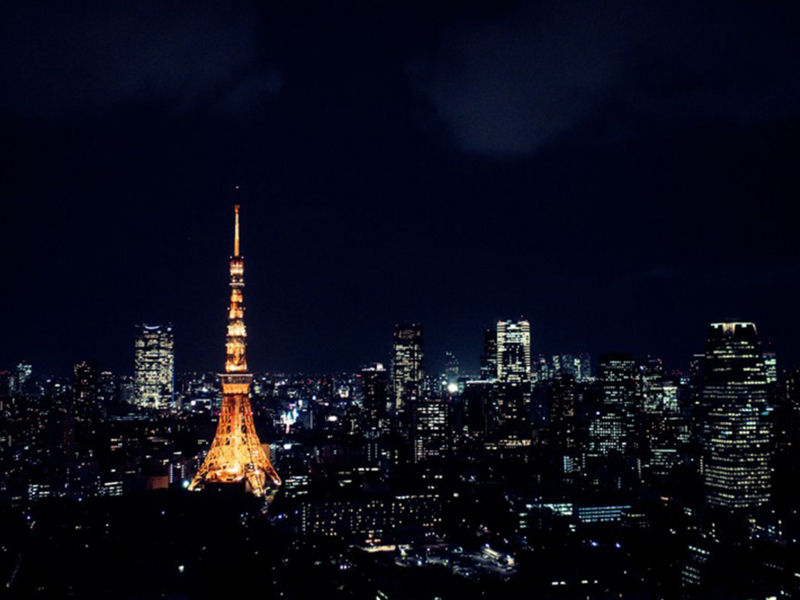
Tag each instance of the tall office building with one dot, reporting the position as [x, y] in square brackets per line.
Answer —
[22, 378]
[607, 432]
[85, 380]
[737, 440]
[793, 389]
[407, 372]
[431, 432]
[489, 357]
[154, 366]
[375, 386]
[649, 385]
[451, 368]
[561, 422]
[479, 409]
[514, 376]
[579, 366]
[771, 368]
[6, 385]
[513, 350]
[541, 368]
[618, 382]
[107, 387]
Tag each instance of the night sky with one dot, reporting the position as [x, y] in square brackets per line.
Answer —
[620, 173]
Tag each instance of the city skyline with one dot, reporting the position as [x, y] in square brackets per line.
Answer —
[437, 364]
[520, 308]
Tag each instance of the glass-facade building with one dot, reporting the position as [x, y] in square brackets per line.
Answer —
[736, 472]
[154, 377]
[514, 375]
[406, 364]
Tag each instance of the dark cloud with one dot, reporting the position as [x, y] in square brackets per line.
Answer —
[517, 82]
[64, 58]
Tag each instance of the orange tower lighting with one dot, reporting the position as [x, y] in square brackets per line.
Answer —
[236, 454]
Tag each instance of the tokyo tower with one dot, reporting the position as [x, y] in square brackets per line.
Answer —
[236, 454]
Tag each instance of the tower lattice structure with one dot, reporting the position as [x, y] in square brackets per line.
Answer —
[236, 454]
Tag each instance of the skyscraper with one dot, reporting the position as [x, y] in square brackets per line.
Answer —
[406, 364]
[154, 366]
[375, 384]
[85, 381]
[431, 432]
[737, 450]
[489, 357]
[451, 369]
[513, 350]
[22, 377]
[562, 412]
[771, 368]
[579, 366]
[514, 377]
[86, 390]
[479, 409]
[650, 382]
[618, 381]
[107, 387]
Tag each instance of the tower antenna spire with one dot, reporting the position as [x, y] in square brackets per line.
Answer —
[236, 233]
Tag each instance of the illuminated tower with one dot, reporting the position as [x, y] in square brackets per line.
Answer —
[236, 454]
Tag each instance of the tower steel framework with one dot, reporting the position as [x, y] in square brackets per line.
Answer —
[236, 454]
